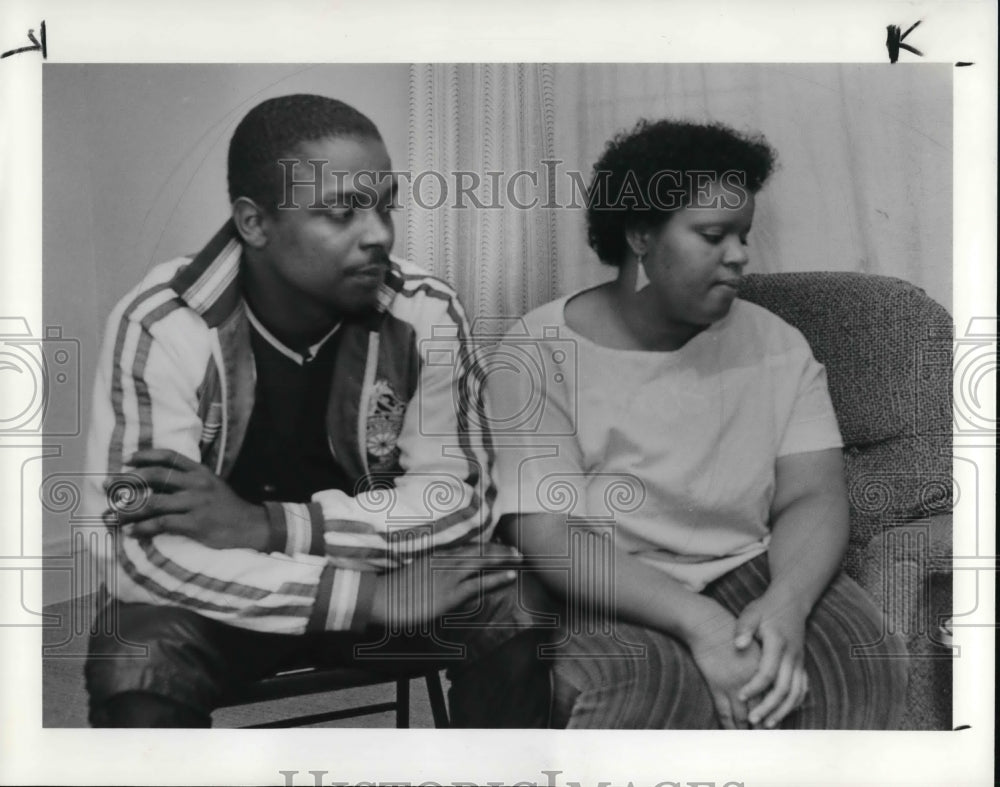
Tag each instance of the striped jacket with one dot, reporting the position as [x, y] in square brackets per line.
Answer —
[176, 371]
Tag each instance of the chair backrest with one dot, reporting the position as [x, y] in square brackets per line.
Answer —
[887, 349]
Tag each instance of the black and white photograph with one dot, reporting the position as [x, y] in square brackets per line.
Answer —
[408, 416]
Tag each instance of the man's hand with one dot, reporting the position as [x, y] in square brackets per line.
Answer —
[188, 499]
[725, 668]
[431, 586]
[779, 623]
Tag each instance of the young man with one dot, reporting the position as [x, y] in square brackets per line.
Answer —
[284, 449]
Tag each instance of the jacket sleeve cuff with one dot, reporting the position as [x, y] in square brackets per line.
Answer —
[317, 529]
[365, 601]
[295, 528]
[277, 527]
[344, 600]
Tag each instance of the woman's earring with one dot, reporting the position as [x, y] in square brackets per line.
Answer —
[641, 279]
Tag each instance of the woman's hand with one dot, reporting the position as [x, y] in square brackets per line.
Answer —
[778, 622]
[726, 669]
[810, 522]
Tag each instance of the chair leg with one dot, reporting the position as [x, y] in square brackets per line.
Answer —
[403, 703]
[438, 707]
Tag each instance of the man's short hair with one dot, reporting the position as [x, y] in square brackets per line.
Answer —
[273, 130]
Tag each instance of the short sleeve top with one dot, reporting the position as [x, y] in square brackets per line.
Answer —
[677, 449]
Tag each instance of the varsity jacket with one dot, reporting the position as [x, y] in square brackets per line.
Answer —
[404, 422]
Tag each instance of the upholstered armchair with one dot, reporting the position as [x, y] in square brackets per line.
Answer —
[887, 348]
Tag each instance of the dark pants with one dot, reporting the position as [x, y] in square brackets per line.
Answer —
[192, 662]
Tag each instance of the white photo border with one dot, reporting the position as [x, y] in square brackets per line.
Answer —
[253, 31]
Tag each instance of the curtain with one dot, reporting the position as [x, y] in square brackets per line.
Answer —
[467, 121]
[864, 179]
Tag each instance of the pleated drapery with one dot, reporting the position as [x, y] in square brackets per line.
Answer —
[483, 119]
[864, 179]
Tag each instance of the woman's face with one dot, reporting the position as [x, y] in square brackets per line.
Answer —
[695, 259]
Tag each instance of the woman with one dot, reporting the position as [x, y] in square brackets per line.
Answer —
[722, 598]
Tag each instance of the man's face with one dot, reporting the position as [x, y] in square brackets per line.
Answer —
[332, 252]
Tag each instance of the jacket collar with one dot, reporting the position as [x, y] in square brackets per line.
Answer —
[210, 283]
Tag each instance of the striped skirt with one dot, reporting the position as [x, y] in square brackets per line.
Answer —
[639, 678]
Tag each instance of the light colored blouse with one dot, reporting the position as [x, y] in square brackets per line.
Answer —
[677, 448]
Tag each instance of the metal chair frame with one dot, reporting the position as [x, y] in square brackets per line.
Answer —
[311, 680]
